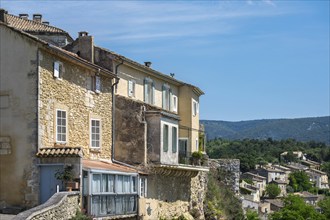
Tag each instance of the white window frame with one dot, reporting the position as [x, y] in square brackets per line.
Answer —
[65, 126]
[197, 144]
[143, 186]
[149, 91]
[174, 103]
[97, 85]
[195, 107]
[131, 88]
[166, 97]
[91, 133]
[57, 69]
[170, 137]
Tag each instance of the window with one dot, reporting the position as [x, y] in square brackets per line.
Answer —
[97, 84]
[61, 126]
[149, 91]
[197, 145]
[174, 139]
[113, 194]
[183, 147]
[174, 103]
[57, 69]
[166, 97]
[131, 88]
[143, 187]
[195, 107]
[165, 137]
[95, 132]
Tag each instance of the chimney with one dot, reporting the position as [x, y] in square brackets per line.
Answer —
[3, 16]
[37, 17]
[85, 46]
[147, 63]
[24, 16]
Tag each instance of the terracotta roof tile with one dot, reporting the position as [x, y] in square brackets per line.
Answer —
[31, 26]
[103, 165]
[60, 152]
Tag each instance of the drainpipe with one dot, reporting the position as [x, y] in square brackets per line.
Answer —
[113, 119]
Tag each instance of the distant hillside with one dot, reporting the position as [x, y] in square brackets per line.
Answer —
[301, 129]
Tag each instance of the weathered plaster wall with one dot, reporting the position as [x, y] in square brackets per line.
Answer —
[73, 92]
[18, 119]
[130, 133]
[128, 73]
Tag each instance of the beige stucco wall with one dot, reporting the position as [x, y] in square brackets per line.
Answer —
[18, 119]
[189, 123]
[127, 73]
[74, 94]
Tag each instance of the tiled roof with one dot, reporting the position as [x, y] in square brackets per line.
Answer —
[31, 26]
[155, 72]
[104, 165]
[60, 152]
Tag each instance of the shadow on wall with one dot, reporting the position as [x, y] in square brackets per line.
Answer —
[169, 188]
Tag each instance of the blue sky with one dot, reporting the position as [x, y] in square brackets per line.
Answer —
[253, 59]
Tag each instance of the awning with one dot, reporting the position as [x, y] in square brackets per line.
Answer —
[101, 165]
[60, 152]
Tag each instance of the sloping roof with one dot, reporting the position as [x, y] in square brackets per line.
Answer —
[60, 152]
[197, 90]
[61, 52]
[32, 26]
[103, 165]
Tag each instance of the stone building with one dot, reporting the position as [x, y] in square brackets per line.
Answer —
[66, 108]
[156, 128]
[56, 113]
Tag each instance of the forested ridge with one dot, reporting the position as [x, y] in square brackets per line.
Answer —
[301, 129]
[252, 151]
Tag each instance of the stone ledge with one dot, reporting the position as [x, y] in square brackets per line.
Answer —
[55, 201]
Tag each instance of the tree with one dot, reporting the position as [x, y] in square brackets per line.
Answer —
[295, 208]
[325, 206]
[272, 190]
[252, 215]
[299, 181]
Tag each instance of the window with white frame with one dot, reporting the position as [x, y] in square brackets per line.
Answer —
[166, 97]
[195, 107]
[174, 139]
[165, 137]
[197, 144]
[97, 84]
[131, 88]
[57, 69]
[112, 194]
[149, 91]
[174, 104]
[95, 133]
[169, 137]
[61, 124]
[143, 187]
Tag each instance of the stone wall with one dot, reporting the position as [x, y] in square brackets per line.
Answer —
[231, 170]
[170, 197]
[18, 120]
[198, 192]
[130, 133]
[74, 92]
[60, 206]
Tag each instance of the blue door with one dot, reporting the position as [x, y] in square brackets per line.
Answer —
[48, 182]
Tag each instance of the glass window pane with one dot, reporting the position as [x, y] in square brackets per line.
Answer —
[174, 139]
[165, 138]
[96, 183]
